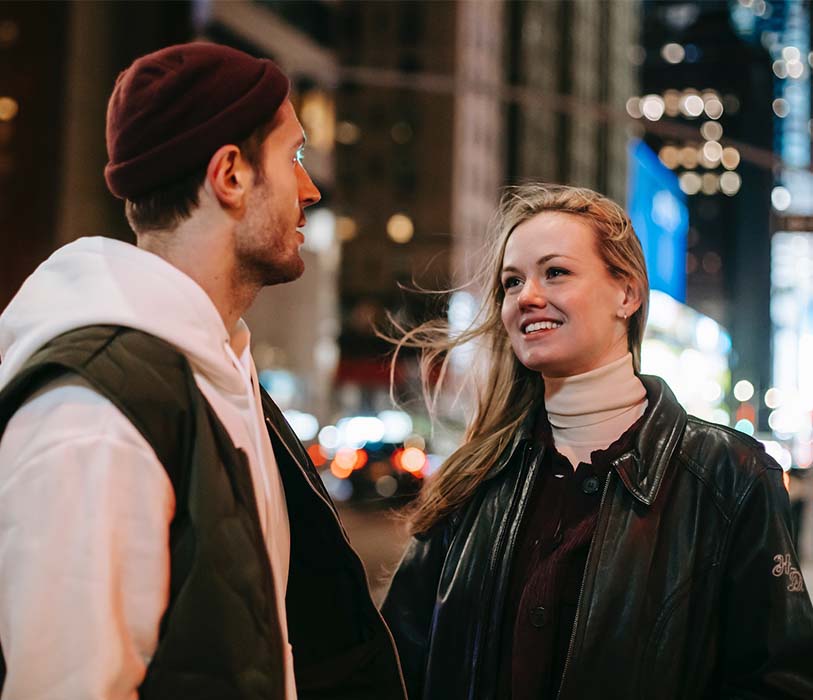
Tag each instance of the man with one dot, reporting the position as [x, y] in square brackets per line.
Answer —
[163, 537]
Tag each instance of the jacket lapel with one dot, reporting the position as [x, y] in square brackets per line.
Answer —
[643, 468]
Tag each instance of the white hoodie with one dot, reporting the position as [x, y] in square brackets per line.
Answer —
[85, 505]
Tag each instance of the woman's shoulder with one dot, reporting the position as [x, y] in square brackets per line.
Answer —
[702, 435]
[442, 529]
[725, 458]
[708, 445]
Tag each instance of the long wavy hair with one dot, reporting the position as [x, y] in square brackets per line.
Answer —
[509, 389]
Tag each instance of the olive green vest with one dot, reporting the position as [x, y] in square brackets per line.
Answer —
[220, 636]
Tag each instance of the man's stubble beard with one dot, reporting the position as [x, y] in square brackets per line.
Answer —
[266, 253]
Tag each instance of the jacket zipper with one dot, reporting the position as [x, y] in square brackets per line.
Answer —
[581, 589]
[350, 547]
[493, 559]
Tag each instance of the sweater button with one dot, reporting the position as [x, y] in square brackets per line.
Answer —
[539, 616]
[590, 485]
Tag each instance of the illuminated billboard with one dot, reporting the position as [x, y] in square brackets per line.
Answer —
[657, 208]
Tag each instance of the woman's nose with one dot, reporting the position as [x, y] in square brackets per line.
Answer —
[532, 295]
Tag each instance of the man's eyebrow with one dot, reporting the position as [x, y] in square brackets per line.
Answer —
[541, 261]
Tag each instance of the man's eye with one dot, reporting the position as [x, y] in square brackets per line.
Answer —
[300, 156]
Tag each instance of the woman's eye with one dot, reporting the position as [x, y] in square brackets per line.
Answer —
[510, 282]
[556, 272]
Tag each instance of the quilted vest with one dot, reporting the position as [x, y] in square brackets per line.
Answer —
[220, 635]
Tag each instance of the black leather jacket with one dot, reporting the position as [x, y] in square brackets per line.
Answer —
[692, 587]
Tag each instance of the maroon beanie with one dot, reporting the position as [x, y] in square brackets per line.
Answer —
[172, 109]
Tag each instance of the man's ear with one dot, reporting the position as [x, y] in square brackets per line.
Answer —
[229, 176]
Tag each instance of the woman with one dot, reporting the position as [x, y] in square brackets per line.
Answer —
[589, 540]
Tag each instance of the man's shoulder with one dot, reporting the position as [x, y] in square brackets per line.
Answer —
[132, 382]
[137, 372]
[65, 410]
[130, 347]
[66, 419]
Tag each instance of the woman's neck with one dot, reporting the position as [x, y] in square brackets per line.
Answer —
[589, 411]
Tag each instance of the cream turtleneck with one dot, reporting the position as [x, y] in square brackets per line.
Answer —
[590, 411]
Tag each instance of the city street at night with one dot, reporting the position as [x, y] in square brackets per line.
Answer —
[521, 289]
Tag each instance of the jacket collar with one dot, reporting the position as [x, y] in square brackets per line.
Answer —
[524, 435]
[642, 468]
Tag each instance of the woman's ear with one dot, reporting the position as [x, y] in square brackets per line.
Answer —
[631, 300]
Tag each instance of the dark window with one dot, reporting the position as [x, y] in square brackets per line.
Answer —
[411, 27]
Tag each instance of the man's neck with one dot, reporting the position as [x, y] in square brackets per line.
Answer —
[206, 255]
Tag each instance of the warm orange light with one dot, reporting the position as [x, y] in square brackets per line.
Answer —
[339, 471]
[318, 457]
[348, 458]
[345, 458]
[8, 108]
[361, 459]
[746, 411]
[413, 459]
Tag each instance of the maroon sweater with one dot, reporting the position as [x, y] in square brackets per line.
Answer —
[548, 567]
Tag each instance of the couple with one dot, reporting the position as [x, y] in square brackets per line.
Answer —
[163, 533]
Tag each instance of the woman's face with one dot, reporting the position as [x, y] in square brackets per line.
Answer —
[562, 309]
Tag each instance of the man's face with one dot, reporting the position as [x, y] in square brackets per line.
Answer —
[267, 240]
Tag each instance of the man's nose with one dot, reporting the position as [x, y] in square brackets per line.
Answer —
[308, 192]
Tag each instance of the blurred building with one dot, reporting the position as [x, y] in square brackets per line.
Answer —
[733, 80]
[705, 93]
[480, 126]
[58, 63]
[394, 179]
[576, 63]
[784, 31]
[30, 106]
[442, 103]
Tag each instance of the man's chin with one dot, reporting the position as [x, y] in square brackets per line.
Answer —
[281, 273]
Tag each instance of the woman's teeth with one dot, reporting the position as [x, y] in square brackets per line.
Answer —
[542, 326]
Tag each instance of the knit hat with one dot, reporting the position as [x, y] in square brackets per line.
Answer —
[172, 109]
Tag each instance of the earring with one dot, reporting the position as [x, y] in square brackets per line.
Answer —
[624, 315]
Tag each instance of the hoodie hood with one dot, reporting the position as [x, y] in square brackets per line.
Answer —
[95, 281]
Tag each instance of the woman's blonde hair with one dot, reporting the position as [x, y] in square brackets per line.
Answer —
[510, 389]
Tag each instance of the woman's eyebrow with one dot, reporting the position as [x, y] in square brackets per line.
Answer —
[541, 261]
